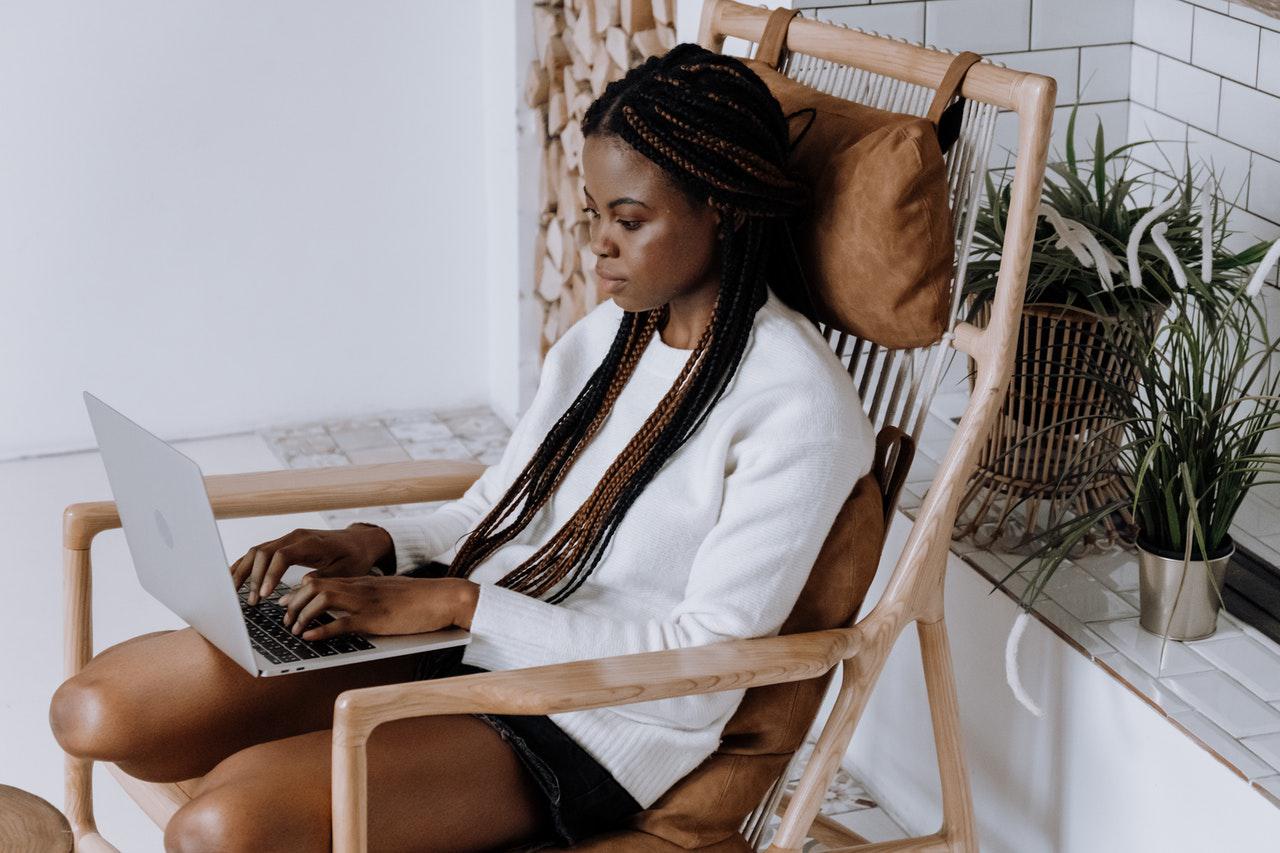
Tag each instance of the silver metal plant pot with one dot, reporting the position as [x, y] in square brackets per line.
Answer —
[1187, 614]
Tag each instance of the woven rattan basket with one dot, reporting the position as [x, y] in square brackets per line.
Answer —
[1055, 418]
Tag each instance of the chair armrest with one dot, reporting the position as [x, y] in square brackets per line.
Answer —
[299, 490]
[578, 685]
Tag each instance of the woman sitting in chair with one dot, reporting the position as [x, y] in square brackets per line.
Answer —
[689, 446]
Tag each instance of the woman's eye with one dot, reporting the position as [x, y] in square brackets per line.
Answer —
[628, 224]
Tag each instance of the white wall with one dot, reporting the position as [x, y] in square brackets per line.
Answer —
[221, 215]
[1100, 771]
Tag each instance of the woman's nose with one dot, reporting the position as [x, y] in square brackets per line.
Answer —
[599, 246]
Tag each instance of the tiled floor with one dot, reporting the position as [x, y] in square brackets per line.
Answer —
[1224, 691]
[33, 494]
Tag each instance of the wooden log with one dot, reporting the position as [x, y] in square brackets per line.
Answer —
[536, 88]
[571, 139]
[637, 15]
[553, 158]
[550, 327]
[555, 243]
[607, 14]
[600, 70]
[539, 254]
[568, 312]
[545, 27]
[550, 280]
[584, 34]
[568, 209]
[667, 35]
[571, 86]
[581, 102]
[615, 40]
[616, 72]
[557, 56]
[648, 43]
[572, 257]
[557, 113]
[664, 12]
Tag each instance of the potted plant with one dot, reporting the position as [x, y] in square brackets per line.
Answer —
[1080, 294]
[1186, 436]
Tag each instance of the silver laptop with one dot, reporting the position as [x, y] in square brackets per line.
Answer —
[179, 557]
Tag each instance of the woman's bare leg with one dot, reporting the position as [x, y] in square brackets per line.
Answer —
[445, 783]
[169, 706]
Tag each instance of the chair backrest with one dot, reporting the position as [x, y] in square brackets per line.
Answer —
[897, 386]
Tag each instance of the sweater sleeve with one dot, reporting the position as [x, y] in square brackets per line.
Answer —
[778, 503]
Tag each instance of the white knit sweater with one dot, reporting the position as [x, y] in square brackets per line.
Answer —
[717, 546]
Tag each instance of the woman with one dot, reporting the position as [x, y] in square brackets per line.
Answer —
[598, 533]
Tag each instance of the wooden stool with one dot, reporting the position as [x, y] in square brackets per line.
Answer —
[28, 824]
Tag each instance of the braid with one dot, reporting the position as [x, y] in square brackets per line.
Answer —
[714, 127]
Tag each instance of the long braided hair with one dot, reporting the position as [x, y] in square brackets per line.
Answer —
[713, 127]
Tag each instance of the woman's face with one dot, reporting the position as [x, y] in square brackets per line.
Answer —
[644, 232]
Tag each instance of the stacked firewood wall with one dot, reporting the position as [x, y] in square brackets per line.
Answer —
[582, 46]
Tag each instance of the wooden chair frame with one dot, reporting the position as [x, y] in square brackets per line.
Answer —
[914, 592]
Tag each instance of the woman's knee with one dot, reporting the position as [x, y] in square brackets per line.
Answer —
[93, 715]
[229, 820]
[91, 719]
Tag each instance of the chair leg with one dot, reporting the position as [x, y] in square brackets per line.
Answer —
[857, 677]
[77, 622]
[958, 826]
[958, 833]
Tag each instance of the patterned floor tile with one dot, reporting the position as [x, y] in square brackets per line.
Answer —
[448, 448]
[376, 455]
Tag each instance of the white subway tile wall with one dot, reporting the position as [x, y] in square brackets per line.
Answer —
[1142, 75]
[1269, 62]
[1104, 72]
[1225, 46]
[1204, 73]
[900, 20]
[1004, 26]
[1072, 23]
[1188, 93]
[1164, 26]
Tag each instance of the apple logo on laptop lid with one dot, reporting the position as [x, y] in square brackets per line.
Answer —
[163, 527]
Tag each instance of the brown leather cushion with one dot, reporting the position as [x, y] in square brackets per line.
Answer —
[703, 810]
[876, 246]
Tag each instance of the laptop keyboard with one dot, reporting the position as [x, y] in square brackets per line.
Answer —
[278, 644]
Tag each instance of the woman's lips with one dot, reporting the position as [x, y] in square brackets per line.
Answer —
[611, 285]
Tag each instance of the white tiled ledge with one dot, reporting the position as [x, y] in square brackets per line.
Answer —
[1223, 691]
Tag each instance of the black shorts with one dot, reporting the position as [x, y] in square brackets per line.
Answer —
[583, 798]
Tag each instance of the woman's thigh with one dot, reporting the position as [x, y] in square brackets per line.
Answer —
[441, 783]
[169, 706]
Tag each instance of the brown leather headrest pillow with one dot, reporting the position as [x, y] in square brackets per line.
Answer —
[877, 247]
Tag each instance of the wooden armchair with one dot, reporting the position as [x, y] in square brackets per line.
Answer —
[896, 386]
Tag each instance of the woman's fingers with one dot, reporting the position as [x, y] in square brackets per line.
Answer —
[280, 562]
[341, 625]
[309, 599]
[240, 569]
[259, 569]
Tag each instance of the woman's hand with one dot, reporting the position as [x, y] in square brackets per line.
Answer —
[348, 553]
[379, 605]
